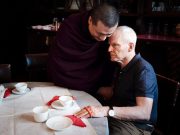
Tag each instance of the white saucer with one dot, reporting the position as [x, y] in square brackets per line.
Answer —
[20, 93]
[58, 104]
[59, 123]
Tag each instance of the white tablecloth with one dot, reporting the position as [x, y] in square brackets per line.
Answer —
[16, 115]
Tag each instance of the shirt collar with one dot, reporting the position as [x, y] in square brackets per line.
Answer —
[131, 63]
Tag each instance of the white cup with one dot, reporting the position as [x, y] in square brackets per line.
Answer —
[21, 87]
[67, 100]
[40, 113]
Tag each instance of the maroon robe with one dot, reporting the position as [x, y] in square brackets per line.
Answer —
[76, 60]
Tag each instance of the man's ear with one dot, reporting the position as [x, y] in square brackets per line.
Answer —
[89, 20]
[131, 47]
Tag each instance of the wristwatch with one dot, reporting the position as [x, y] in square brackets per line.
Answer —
[111, 112]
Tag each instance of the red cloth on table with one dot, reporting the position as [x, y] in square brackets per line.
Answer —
[7, 92]
[76, 121]
[56, 98]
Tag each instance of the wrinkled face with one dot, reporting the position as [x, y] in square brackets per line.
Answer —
[99, 31]
[117, 49]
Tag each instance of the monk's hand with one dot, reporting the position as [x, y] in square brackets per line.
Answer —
[105, 92]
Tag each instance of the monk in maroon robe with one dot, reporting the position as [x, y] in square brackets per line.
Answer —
[79, 58]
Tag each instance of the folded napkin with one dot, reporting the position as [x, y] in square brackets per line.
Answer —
[56, 98]
[7, 92]
[4, 92]
[76, 121]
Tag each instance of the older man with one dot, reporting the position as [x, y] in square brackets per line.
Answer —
[134, 95]
[77, 59]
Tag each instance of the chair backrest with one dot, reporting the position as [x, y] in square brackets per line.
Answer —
[5, 73]
[36, 65]
[167, 105]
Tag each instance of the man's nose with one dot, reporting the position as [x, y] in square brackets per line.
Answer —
[110, 48]
[103, 37]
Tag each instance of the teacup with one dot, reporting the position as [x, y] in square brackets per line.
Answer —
[67, 100]
[21, 87]
[40, 113]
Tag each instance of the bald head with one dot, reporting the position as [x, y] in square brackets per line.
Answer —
[122, 45]
[125, 34]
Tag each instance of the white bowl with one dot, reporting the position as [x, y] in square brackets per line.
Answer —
[40, 113]
[59, 123]
[21, 87]
[67, 100]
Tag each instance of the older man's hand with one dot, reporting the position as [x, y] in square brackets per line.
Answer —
[92, 111]
[85, 112]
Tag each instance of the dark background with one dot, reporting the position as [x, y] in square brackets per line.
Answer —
[19, 15]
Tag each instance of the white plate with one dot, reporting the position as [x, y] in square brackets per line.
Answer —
[59, 123]
[58, 104]
[19, 93]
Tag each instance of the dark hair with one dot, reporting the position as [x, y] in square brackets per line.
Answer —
[105, 13]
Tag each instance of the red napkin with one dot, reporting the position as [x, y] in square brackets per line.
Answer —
[52, 100]
[76, 121]
[7, 92]
[56, 98]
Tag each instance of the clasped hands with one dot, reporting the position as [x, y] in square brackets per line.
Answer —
[91, 111]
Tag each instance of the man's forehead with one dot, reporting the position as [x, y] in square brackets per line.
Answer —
[100, 27]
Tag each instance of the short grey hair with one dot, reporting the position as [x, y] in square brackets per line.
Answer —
[127, 34]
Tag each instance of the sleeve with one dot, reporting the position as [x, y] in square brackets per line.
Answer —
[145, 83]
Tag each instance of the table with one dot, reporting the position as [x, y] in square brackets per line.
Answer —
[16, 115]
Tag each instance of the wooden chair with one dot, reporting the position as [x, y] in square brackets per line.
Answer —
[168, 99]
[5, 73]
[36, 67]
